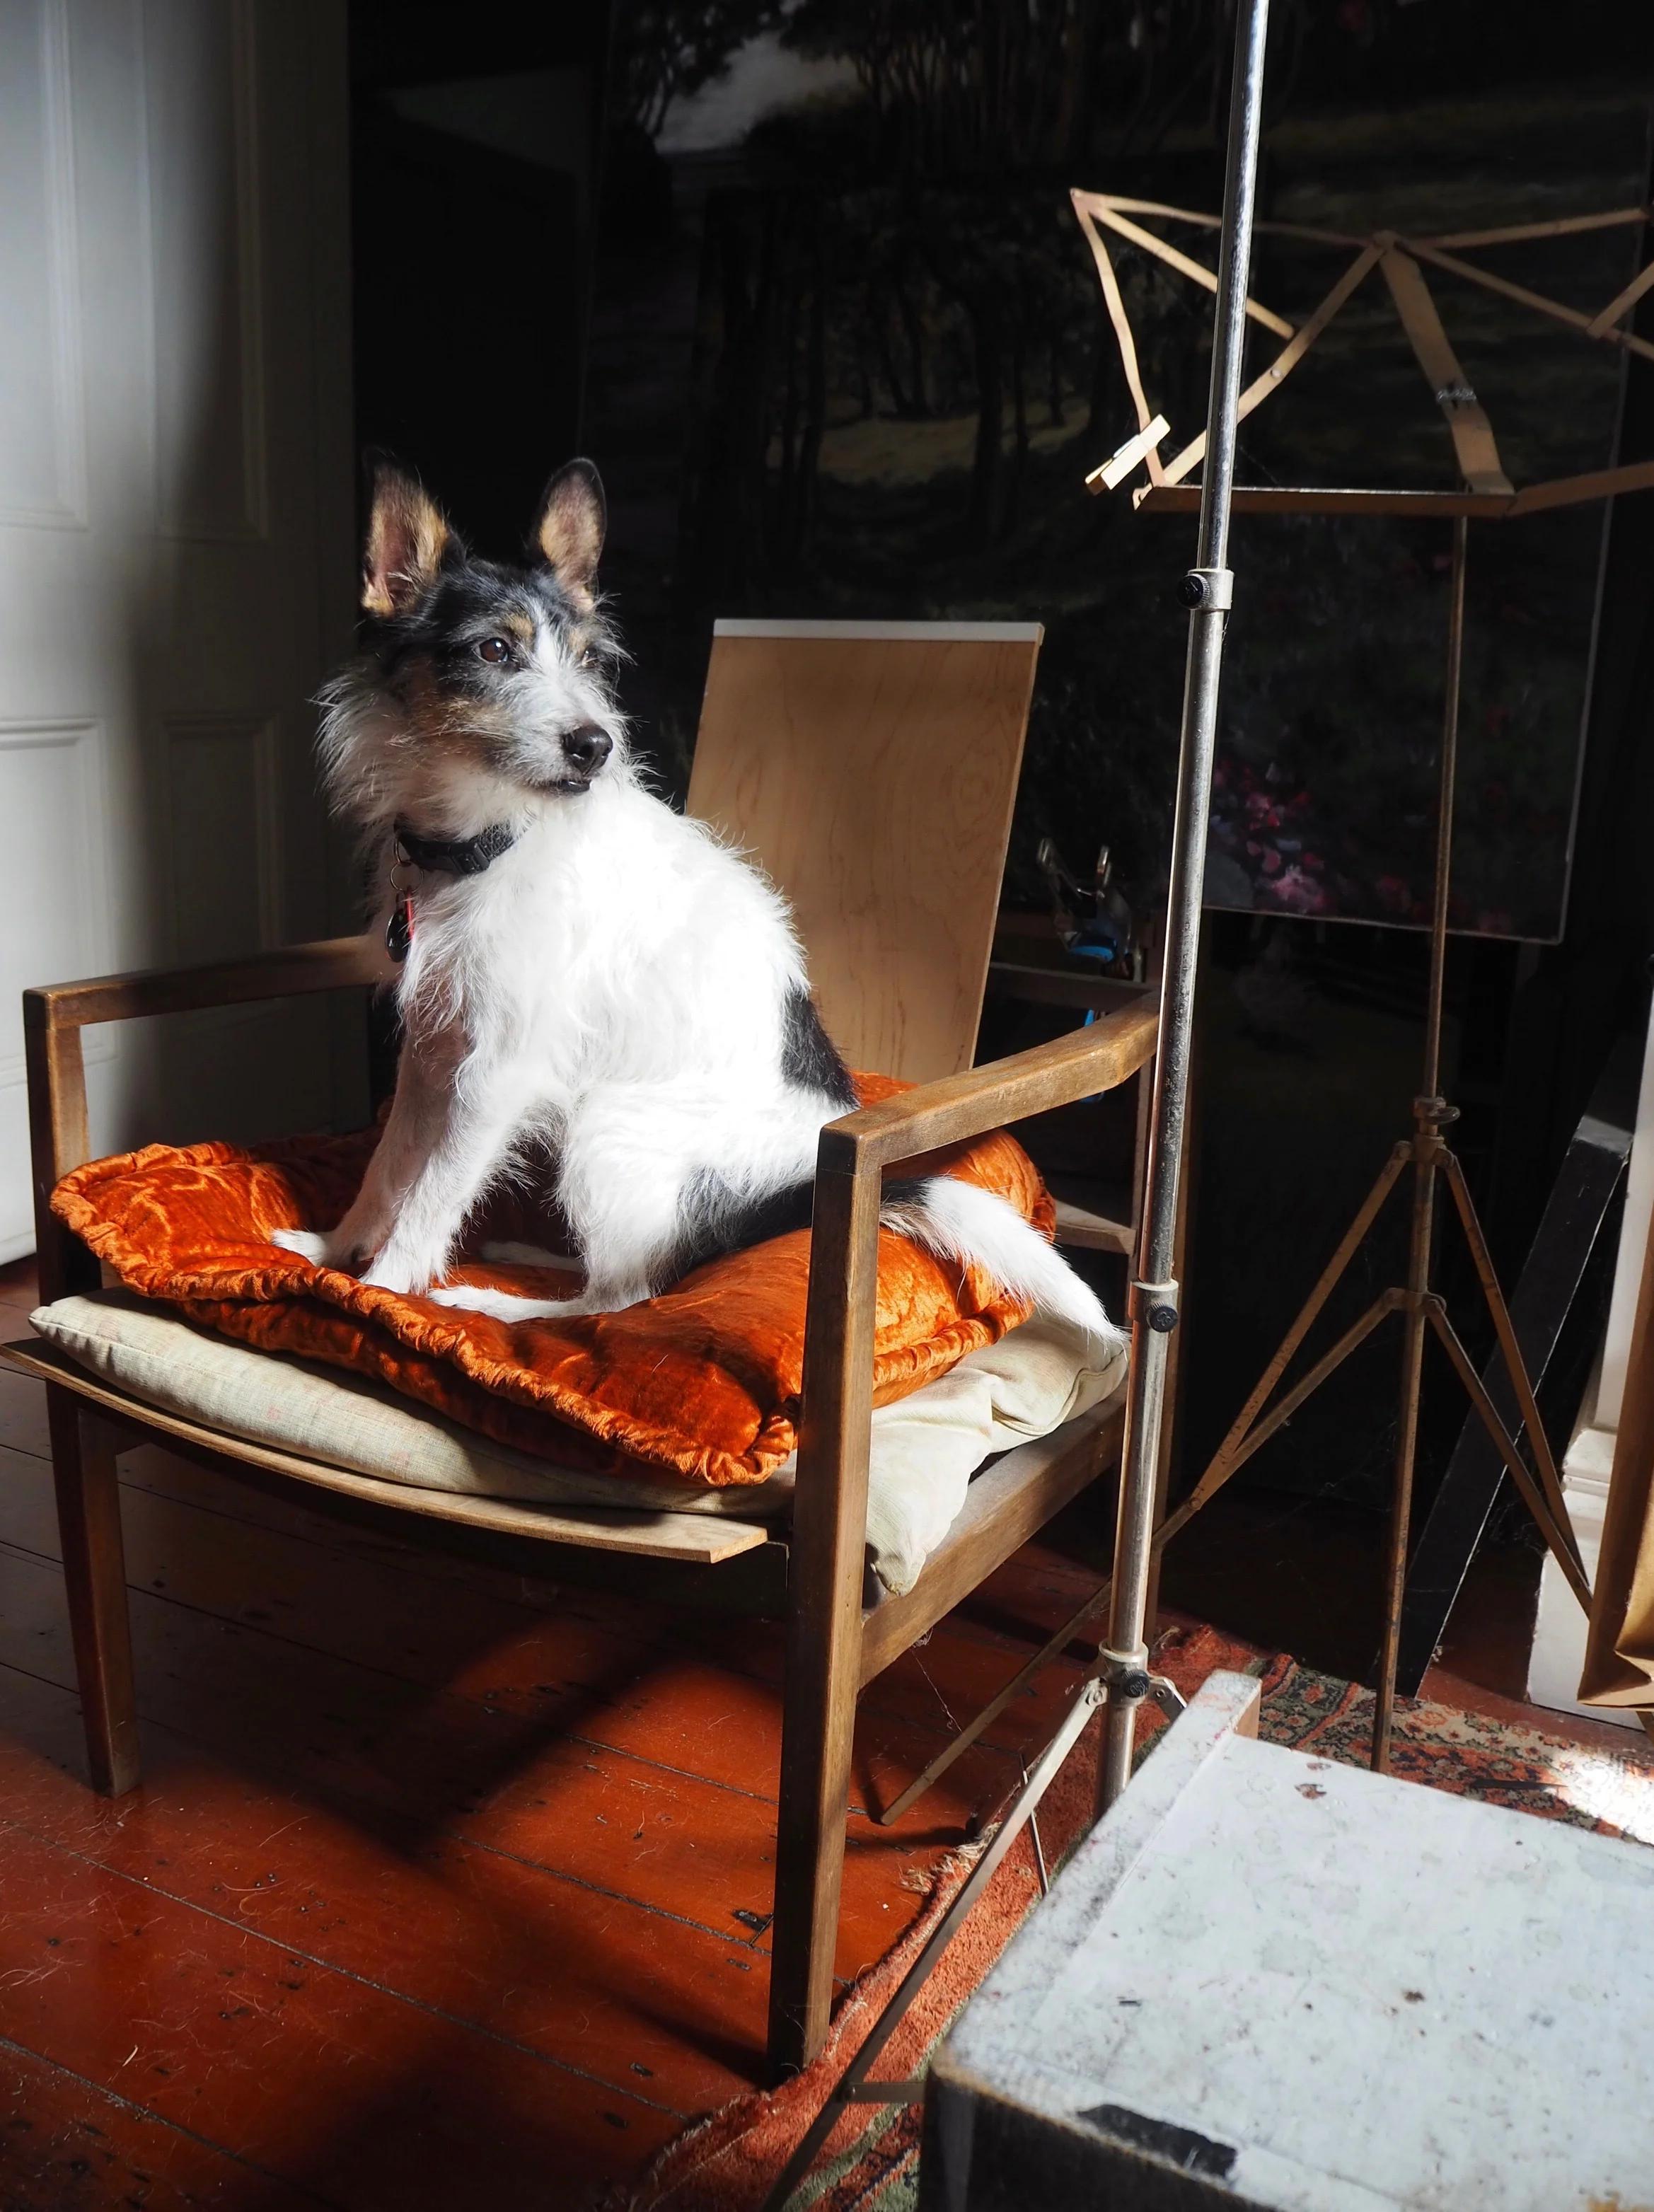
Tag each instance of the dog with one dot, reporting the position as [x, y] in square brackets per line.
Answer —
[589, 981]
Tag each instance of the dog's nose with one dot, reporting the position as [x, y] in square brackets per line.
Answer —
[586, 749]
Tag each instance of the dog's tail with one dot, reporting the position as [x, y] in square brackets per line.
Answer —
[962, 1222]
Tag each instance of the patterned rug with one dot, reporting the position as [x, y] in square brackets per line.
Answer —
[728, 2161]
[1468, 1754]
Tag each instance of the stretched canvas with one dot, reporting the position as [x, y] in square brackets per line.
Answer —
[898, 369]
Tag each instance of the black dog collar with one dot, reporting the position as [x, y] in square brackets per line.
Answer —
[441, 856]
[455, 856]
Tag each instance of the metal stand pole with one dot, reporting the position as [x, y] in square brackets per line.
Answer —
[1207, 592]
[1430, 1110]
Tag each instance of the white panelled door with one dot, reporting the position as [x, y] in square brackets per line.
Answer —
[176, 564]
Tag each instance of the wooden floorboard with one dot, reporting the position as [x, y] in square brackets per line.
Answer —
[286, 1573]
[442, 1888]
[67, 2144]
[681, 1824]
[582, 1977]
[322, 2078]
[23, 1414]
[426, 1859]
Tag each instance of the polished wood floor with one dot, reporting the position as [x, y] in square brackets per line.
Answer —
[442, 1889]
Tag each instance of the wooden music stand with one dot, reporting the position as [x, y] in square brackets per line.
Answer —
[1486, 493]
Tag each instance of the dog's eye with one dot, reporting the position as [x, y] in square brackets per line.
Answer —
[495, 650]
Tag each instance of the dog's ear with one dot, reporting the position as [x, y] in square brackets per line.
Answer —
[568, 530]
[408, 535]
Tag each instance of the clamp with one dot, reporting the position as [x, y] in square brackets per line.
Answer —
[1208, 591]
[1158, 1302]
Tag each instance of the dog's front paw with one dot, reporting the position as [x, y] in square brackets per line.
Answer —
[315, 1245]
[390, 1271]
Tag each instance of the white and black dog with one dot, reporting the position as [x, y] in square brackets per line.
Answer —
[586, 977]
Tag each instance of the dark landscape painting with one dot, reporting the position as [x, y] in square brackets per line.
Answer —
[875, 368]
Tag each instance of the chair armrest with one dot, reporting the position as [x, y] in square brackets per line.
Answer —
[955, 1107]
[852, 1156]
[54, 1016]
[329, 964]
[830, 1496]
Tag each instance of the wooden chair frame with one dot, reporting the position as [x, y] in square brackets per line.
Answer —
[812, 1578]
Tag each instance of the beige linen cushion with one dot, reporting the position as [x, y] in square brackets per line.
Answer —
[925, 1447]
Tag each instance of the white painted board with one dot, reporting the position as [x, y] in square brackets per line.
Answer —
[1301, 1986]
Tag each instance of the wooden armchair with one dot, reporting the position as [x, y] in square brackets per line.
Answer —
[961, 695]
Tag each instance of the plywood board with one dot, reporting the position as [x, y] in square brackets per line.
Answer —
[872, 768]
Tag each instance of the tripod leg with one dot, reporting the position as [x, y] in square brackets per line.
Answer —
[1401, 1517]
[1407, 1447]
[1515, 1365]
[1221, 1468]
[1558, 1538]
[1237, 1444]
[996, 1704]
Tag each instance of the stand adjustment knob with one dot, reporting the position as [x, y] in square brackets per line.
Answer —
[1203, 588]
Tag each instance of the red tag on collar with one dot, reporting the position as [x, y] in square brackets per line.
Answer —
[398, 931]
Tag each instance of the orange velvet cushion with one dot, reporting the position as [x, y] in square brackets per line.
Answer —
[704, 1381]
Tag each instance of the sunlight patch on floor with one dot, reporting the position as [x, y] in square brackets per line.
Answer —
[1607, 1787]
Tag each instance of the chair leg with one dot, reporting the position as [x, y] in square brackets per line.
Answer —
[95, 1573]
[823, 1602]
[818, 1725]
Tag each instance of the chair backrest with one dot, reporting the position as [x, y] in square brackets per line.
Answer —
[872, 768]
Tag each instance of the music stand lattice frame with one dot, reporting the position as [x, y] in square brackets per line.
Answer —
[1486, 493]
